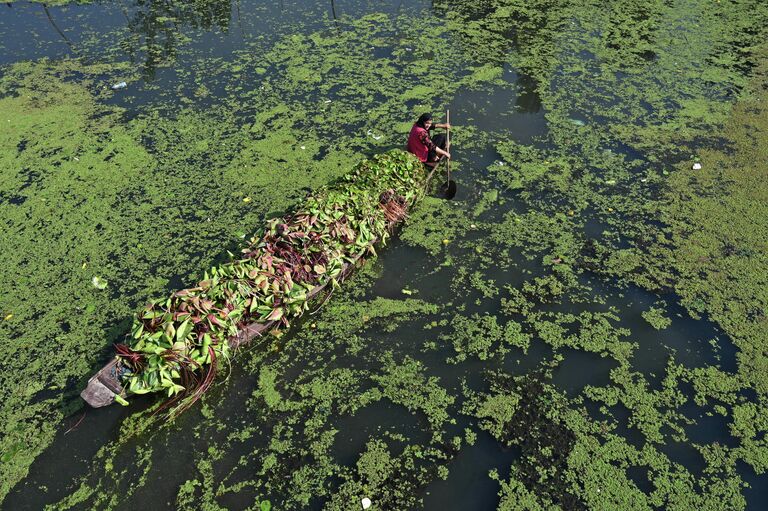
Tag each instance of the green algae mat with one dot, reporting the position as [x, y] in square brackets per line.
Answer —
[583, 327]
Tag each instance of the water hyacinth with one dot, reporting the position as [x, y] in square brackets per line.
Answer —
[177, 343]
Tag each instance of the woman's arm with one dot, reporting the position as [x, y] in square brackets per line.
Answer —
[443, 125]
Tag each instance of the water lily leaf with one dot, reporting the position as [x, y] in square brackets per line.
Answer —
[99, 283]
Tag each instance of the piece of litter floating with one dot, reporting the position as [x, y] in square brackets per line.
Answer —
[644, 180]
[408, 49]
[119, 85]
[76, 158]
[366, 502]
[501, 163]
[610, 182]
[697, 166]
[377, 138]
[472, 226]
[99, 283]
[327, 101]
[303, 147]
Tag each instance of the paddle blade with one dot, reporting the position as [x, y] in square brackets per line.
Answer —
[449, 189]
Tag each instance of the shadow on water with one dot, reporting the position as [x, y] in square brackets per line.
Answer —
[71, 453]
[411, 272]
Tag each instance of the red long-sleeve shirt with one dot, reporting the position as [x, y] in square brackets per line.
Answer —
[419, 142]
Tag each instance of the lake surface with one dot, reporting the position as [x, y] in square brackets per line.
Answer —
[539, 340]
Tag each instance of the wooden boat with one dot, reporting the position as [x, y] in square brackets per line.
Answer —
[106, 386]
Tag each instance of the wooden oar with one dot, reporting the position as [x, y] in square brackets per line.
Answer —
[449, 188]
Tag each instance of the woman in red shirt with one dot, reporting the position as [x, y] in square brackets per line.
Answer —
[427, 150]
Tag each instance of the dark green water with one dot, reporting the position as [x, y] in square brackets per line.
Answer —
[392, 390]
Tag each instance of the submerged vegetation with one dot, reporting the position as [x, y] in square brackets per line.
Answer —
[584, 327]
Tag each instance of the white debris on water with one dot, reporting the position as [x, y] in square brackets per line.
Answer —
[697, 166]
[366, 502]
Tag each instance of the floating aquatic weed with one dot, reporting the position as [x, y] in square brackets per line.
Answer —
[99, 283]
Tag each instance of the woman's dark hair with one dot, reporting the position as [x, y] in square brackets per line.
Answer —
[424, 118]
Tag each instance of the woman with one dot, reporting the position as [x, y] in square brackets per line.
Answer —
[427, 150]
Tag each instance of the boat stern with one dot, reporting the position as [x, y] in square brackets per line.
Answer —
[104, 386]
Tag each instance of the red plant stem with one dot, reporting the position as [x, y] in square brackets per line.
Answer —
[77, 423]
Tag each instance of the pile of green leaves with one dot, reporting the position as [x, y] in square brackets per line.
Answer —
[177, 342]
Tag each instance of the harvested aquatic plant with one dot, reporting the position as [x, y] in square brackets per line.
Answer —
[178, 343]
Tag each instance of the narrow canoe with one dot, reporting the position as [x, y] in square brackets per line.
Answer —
[106, 385]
